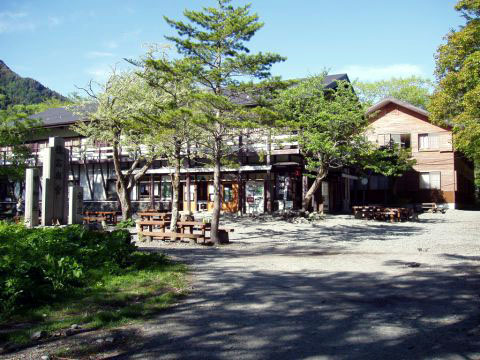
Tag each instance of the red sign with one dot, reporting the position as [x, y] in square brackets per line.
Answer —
[250, 200]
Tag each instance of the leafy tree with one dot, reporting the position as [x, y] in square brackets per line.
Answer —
[456, 100]
[170, 115]
[330, 124]
[16, 128]
[214, 42]
[414, 90]
[119, 105]
[389, 161]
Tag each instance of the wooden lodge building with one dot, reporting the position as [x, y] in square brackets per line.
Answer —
[273, 182]
[440, 175]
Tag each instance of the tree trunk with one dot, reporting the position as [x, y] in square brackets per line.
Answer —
[217, 201]
[124, 198]
[175, 193]
[187, 183]
[321, 174]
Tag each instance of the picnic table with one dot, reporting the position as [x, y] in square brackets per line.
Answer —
[154, 215]
[378, 212]
[109, 217]
[151, 228]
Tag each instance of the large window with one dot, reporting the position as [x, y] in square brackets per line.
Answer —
[397, 140]
[144, 190]
[227, 193]
[401, 140]
[430, 180]
[427, 141]
[111, 189]
[166, 190]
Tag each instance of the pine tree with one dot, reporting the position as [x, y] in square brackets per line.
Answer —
[214, 41]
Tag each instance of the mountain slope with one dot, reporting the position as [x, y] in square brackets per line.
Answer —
[15, 89]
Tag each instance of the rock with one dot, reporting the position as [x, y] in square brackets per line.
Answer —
[69, 332]
[75, 326]
[45, 357]
[109, 339]
[38, 335]
[99, 341]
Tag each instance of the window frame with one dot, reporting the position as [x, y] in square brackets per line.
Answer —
[429, 187]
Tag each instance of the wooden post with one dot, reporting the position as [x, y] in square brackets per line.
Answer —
[152, 198]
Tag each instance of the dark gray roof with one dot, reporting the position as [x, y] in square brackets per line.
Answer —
[404, 104]
[63, 116]
[60, 116]
[330, 82]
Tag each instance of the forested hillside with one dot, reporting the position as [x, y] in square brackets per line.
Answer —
[15, 89]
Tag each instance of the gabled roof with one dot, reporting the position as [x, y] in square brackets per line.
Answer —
[391, 100]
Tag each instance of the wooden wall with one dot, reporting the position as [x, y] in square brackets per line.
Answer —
[395, 119]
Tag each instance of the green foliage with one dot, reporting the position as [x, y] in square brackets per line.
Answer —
[387, 161]
[17, 90]
[16, 129]
[213, 42]
[125, 224]
[147, 284]
[456, 100]
[41, 264]
[414, 90]
[330, 123]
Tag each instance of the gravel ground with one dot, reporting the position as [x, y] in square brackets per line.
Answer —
[337, 289]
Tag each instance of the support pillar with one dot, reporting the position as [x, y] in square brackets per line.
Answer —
[32, 187]
[75, 204]
[54, 182]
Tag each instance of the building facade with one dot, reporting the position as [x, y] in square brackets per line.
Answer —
[440, 175]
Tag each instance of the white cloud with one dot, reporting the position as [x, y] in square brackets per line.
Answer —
[15, 21]
[111, 44]
[12, 15]
[98, 54]
[99, 73]
[374, 73]
[54, 21]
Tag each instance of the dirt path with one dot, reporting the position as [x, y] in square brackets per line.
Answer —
[341, 289]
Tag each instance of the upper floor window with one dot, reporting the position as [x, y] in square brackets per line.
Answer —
[394, 140]
[427, 141]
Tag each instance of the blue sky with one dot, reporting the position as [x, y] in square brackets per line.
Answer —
[67, 43]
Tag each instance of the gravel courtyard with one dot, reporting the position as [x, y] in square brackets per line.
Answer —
[338, 289]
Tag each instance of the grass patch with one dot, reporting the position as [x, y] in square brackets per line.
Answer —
[147, 285]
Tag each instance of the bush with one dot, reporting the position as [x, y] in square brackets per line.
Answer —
[38, 265]
[125, 224]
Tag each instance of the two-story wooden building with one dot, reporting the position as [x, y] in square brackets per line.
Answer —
[440, 175]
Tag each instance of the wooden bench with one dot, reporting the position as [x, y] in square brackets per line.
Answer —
[169, 235]
[109, 217]
[182, 226]
[94, 219]
[432, 207]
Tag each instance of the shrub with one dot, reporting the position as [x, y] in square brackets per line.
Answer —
[125, 224]
[37, 265]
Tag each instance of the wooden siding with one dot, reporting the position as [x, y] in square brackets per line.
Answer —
[395, 119]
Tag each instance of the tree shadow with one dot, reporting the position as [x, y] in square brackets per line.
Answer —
[340, 315]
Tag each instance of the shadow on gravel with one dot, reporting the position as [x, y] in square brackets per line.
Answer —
[343, 315]
[338, 233]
